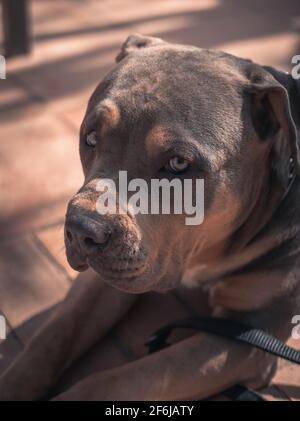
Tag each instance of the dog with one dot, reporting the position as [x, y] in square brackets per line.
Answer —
[173, 111]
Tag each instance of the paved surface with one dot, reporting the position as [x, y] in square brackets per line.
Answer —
[41, 106]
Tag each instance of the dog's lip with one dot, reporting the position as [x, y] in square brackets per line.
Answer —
[119, 268]
[112, 272]
[82, 267]
[76, 262]
[79, 267]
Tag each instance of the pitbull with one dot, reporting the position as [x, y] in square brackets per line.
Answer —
[173, 111]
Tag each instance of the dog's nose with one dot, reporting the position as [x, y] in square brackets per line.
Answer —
[87, 233]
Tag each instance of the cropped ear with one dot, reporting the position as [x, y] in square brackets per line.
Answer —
[273, 121]
[135, 42]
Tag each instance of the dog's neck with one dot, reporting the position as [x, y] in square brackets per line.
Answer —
[257, 236]
[265, 206]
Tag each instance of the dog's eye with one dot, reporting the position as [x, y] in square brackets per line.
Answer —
[177, 165]
[91, 139]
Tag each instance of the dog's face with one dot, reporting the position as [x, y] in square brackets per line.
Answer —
[169, 111]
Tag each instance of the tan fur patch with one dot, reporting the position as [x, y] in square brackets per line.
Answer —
[110, 116]
[213, 234]
[247, 292]
[156, 138]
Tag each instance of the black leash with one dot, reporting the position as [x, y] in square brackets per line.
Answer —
[233, 330]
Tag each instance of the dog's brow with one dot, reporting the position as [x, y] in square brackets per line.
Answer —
[157, 135]
[105, 116]
[110, 115]
[160, 141]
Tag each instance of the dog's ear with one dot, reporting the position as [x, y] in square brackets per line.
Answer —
[293, 88]
[135, 42]
[273, 121]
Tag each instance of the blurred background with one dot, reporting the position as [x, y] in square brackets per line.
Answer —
[56, 53]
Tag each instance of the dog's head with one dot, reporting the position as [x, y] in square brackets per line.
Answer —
[179, 112]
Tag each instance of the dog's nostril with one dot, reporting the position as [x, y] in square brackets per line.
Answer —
[69, 236]
[99, 243]
[86, 234]
[90, 243]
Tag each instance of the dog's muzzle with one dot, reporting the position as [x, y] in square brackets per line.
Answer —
[109, 244]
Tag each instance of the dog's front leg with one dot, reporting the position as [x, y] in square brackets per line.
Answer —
[88, 312]
[195, 368]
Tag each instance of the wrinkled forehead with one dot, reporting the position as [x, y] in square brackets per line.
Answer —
[162, 75]
[168, 86]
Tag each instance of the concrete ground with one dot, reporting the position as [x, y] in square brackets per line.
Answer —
[42, 102]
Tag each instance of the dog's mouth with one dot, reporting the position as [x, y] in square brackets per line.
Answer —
[125, 269]
[132, 272]
[110, 269]
[131, 277]
[109, 266]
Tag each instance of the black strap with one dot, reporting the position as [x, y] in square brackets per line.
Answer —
[236, 331]
[242, 393]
